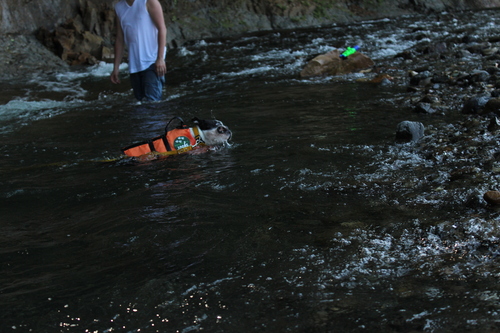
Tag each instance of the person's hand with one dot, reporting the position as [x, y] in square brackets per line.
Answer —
[115, 77]
[160, 67]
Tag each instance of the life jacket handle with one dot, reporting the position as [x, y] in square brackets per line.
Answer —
[180, 126]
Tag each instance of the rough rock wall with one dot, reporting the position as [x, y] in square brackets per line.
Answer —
[21, 16]
[196, 19]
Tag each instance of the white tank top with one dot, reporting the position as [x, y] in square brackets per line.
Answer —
[140, 34]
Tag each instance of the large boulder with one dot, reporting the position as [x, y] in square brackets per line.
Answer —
[409, 131]
[86, 37]
[331, 64]
[73, 44]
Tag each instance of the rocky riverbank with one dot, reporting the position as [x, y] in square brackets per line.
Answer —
[457, 77]
[24, 54]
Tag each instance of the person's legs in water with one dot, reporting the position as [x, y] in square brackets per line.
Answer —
[147, 85]
[135, 81]
[153, 84]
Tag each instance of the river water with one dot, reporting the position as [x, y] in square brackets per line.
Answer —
[311, 220]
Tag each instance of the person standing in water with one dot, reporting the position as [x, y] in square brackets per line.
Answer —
[141, 28]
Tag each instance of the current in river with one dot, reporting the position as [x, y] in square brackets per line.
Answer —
[312, 219]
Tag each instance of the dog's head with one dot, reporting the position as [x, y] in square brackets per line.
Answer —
[213, 132]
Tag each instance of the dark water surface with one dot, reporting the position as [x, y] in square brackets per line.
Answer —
[313, 220]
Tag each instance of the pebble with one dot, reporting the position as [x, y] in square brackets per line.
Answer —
[492, 197]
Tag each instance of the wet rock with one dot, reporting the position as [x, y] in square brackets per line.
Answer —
[474, 201]
[407, 55]
[472, 124]
[409, 131]
[430, 99]
[470, 39]
[489, 51]
[382, 79]
[492, 106]
[492, 197]
[462, 54]
[412, 89]
[331, 64]
[480, 76]
[464, 173]
[353, 224]
[412, 73]
[475, 105]
[420, 79]
[477, 48]
[492, 70]
[440, 78]
[424, 108]
[436, 49]
[494, 124]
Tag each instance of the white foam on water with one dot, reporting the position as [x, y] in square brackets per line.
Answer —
[22, 111]
[101, 69]
[184, 52]
[278, 54]
[250, 71]
[421, 251]
[388, 46]
[49, 96]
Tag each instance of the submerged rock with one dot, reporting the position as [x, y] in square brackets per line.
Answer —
[494, 124]
[409, 131]
[492, 106]
[331, 64]
[423, 107]
[475, 105]
[492, 197]
[382, 79]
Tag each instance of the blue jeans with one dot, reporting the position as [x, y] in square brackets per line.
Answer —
[147, 85]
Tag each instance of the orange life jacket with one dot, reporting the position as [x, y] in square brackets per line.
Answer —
[176, 141]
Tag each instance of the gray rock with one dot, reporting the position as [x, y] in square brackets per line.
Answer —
[409, 131]
[494, 124]
[424, 108]
[475, 105]
[492, 106]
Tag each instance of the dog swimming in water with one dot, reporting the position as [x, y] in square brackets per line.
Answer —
[182, 139]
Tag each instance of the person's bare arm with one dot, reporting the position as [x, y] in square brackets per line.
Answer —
[119, 48]
[156, 13]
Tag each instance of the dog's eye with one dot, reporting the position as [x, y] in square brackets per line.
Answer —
[221, 130]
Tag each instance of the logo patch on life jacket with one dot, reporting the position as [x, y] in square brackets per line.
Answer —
[181, 142]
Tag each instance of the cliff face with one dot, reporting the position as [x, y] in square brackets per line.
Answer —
[81, 31]
[196, 19]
